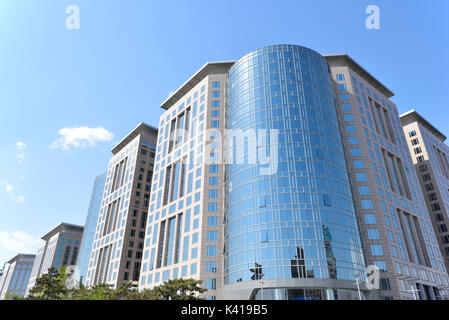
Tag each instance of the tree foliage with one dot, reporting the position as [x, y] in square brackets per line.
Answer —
[52, 286]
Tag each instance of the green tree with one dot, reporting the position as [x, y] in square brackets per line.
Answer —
[179, 289]
[50, 286]
[97, 292]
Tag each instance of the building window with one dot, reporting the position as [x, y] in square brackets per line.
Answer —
[211, 267]
[211, 284]
[327, 201]
[439, 217]
[364, 190]
[353, 140]
[367, 204]
[370, 218]
[381, 265]
[423, 167]
[373, 234]
[351, 129]
[193, 269]
[211, 251]
[340, 77]
[435, 206]
[213, 181]
[356, 152]
[385, 284]
[360, 177]
[358, 164]
[433, 196]
[215, 114]
[348, 118]
[377, 250]
[213, 194]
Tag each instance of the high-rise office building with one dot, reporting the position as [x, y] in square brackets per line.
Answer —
[60, 249]
[15, 275]
[184, 237]
[90, 227]
[292, 226]
[430, 155]
[283, 176]
[118, 245]
[396, 230]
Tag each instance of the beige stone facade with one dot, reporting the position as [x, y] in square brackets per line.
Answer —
[429, 154]
[118, 246]
[395, 225]
[185, 228]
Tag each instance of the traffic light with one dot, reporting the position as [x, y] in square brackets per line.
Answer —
[257, 272]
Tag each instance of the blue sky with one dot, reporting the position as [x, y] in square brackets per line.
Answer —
[128, 55]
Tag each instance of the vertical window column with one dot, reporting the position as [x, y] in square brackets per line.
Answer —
[160, 247]
[375, 115]
[178, 239]
[422, 245]
[170, 243]
[172, 136]
[403, 179]
[410, 238]
[393, 186]
[389, 126]
[408, 244]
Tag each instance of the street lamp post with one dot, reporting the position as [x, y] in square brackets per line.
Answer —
[356, 275]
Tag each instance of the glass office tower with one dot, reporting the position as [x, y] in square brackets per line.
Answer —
[294, 227]
[90, 227]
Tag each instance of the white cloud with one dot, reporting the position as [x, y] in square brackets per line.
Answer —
[80, 137]
[18, 242]
[21, 148]
[10, 191]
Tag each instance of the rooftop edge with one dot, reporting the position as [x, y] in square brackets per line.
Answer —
[206, 69]
[344, 57]
[413, 116]
[130, 136]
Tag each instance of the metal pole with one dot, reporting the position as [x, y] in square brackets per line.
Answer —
[358, 286]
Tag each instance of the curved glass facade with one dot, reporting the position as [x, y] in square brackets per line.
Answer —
[298, 222]
[90, 227]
